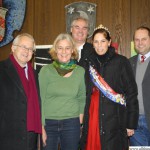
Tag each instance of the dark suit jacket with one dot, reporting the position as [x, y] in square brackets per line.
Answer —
[145, 87]
[85, 52]
[13, 109]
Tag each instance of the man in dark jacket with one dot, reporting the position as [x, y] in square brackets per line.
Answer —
[141, 67]
[20, 121]
[79, 31]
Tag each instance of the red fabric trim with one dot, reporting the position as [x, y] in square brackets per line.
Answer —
[93, 138]
[2, 22]
[33, 108]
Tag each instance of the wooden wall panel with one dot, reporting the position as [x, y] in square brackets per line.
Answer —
[116, 16]
[28, 25]
[4, 51]
[45, 19]
[140, 14]
[50, 19]
[117, 19]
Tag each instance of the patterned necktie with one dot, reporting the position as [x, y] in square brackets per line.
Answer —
[142, 58]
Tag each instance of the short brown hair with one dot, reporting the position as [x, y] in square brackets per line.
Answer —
[142, 28]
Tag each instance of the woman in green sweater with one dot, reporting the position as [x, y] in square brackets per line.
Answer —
[62, 90]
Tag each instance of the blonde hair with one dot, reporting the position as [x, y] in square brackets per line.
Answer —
[63, 36]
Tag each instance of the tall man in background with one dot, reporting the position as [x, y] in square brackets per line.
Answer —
[79, 31]
[141, 67]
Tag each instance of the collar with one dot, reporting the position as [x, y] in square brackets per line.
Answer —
[80, 47]
[146, 56]
[93, 57]
[79, 50]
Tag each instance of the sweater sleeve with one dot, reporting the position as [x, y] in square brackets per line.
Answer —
[82, 93]
[43, 83]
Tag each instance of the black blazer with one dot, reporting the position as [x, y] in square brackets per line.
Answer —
[13, 109]
[113, 118]
[85, 53]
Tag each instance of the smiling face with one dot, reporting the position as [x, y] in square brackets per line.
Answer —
[21, 51]
[64, 51]
[79, 31]
[142, 41]
[100, 43]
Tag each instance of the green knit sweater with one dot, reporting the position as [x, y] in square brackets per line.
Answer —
[62, 97]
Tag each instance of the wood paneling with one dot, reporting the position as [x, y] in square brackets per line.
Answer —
[45, 19]
[116, 16]
[28, 25]
[50, 19]
[140, 14]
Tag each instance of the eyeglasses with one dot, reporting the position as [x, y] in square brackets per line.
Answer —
[31, 50]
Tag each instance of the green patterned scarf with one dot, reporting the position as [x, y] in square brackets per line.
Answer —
[64, 68]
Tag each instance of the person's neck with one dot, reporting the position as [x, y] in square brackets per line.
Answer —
[102, 58]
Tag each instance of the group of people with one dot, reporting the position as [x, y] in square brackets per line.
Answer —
[88, 98]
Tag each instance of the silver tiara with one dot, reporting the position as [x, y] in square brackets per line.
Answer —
[102, 27]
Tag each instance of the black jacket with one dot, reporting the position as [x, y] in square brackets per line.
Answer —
[85, 53]
[113, 118]
[13, 110]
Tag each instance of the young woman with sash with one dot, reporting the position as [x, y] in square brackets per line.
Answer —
[111, 111]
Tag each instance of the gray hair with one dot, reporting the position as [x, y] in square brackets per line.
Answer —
[18, 37]
[76, 18]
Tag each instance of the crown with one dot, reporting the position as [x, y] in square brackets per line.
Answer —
[102, 27]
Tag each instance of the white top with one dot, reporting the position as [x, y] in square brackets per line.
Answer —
[79, 50]
[26, 70]
[146, 56]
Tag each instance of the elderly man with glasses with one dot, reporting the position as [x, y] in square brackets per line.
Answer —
[20, 121]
